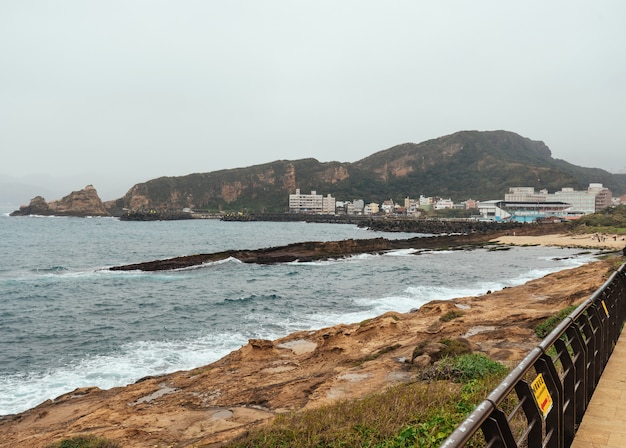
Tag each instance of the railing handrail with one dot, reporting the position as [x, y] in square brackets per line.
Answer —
[591, 328]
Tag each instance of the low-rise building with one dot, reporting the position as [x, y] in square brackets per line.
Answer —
[372, 208]
[443, 204]
[388, 206]
[359, 205]
[595, 198]
[521, 211]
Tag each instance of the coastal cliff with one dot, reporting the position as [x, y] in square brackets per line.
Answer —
[215, 403]
[81, 203]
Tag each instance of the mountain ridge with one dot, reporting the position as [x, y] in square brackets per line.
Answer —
[477, 164]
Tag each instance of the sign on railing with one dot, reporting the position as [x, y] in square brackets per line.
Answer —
[542, 400]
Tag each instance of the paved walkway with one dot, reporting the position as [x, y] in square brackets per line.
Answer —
[604, 422]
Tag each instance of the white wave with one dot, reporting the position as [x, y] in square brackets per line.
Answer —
[402, 252]
[137, 360]
[332, 261]
[414, 297]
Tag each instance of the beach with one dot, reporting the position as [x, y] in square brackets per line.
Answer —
[611, 242]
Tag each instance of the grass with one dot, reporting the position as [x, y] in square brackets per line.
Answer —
[422, 413]
[451, 315]
[606, 230]
[88, 441]
[547, 325]
[379, 353]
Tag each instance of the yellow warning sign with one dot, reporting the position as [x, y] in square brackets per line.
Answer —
[542, 395]
[605, 308]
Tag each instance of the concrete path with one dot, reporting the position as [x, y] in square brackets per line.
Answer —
[604, 422]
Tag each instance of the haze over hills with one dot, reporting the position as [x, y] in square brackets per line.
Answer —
[466, 164]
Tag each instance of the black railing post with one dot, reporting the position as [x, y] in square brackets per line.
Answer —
[531, 411]
[554, 419]
[497, 431]
[568, 392]
[580, 367]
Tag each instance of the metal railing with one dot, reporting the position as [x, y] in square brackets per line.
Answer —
[554, 383]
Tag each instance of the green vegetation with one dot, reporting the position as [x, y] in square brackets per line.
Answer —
[452, 348]
[547, 325]
[379, 353]
[89, 441]
[451, 315]
[419, 414]
[610, 221]
[463, 368]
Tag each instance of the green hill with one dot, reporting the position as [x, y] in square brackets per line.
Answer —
[467, 164]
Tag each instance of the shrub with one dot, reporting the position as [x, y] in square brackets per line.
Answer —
[462, 368]
[547, 325]
[451, 315]
[88, 441]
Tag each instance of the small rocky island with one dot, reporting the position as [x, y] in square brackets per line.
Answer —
[81, 203]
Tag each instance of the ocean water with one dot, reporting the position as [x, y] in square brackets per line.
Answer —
[68, 322]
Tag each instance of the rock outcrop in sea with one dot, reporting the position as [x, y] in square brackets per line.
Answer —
[81, 203]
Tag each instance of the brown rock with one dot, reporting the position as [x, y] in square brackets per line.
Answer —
[85, 202]
[422, 360]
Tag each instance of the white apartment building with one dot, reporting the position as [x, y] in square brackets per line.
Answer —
[389, 206]
[328, 204]
[443, 204]
[412, 206]
[311, 203]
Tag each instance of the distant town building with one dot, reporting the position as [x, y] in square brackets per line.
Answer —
[311, 203]
[328, 204]
[604, 197]
[372, 208]
[359, 205]
[595, 198]
[523, 211]
[443, 204]
[525, 194]
[388, 206]
[581, 201]
[426, 203]
[412, 206]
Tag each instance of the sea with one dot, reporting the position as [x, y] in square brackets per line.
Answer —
[66, 321]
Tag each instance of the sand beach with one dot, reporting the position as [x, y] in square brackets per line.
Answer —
[591, 241]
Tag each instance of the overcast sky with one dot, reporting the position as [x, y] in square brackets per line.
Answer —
[116, 92]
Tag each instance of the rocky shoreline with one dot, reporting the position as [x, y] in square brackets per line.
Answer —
[314, 251]
[214, 403]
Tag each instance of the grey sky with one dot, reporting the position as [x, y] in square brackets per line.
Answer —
[121, 91]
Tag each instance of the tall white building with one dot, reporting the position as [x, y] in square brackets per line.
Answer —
[328, 204]
[311, 203]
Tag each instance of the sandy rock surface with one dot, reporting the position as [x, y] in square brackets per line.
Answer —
[214, 403]
[603, 241]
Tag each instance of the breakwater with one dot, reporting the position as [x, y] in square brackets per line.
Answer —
[408, 225]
